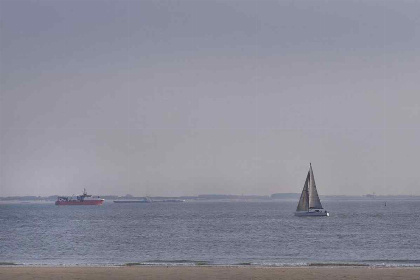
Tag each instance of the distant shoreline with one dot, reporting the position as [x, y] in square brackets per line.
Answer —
[220, 197]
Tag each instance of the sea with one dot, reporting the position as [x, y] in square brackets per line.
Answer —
[358, 232]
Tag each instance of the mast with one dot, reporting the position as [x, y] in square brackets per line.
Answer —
[314, 201]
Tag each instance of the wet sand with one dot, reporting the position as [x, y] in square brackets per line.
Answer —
[207, 272]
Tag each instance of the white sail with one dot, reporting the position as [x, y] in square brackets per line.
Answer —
[314, 202]
[309, 204]
[303, 204]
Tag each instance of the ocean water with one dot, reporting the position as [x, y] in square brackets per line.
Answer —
[214, 233]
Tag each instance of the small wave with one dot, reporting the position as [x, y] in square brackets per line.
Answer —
[243, 263]
[393, 261]
[8, 263]
[133, 264]
[172, 261]
[276, 264]
[71, 264]
[338, 264]
[371, 263]
[169, 263]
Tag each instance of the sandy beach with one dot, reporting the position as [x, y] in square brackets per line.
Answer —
[207, 272]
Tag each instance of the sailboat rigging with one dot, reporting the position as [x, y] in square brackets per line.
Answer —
[309, 202]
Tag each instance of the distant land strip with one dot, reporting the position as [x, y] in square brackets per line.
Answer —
[212, 197]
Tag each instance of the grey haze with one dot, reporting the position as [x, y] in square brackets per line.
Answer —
[189, 97]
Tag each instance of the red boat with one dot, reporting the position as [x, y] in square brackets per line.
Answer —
[84, 199]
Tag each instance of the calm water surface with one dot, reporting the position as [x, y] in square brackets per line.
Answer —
[258, 233]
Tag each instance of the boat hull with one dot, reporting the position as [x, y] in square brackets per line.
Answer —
[312, 214]
[85, 202]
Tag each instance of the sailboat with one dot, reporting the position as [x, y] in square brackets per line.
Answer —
[309, 204]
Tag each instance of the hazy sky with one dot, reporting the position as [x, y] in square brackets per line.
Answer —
[191, 97]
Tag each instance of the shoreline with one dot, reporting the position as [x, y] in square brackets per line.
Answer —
[208, 272]
[205, 264]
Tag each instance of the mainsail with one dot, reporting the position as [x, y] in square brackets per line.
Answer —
[303, 204]
[314, 202]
